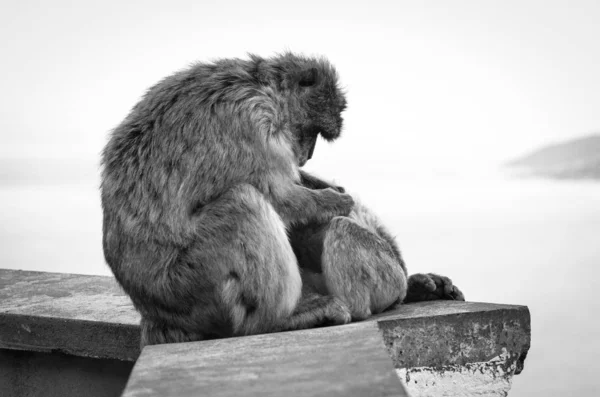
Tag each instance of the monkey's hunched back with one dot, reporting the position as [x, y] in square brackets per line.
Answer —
[199, 184]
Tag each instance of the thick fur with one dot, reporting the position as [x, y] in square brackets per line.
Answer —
[356, 259]
[200, 183]
[353, 258]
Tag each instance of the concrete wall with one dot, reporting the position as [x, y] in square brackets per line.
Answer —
[32, 374]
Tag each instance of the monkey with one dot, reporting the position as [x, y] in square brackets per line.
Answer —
[200, 185]
[356, 259]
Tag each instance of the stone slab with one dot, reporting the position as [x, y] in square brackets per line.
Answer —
[457, 348]
[348, 360]
[447, 332]
[430, 343]
[81, 315]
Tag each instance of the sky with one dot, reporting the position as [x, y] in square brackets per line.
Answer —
[434, 87]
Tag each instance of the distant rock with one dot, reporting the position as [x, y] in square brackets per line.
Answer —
[574, 159]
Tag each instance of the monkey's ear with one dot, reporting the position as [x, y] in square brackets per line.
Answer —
[308, 77]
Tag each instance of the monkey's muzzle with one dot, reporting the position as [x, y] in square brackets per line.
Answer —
[308, 155]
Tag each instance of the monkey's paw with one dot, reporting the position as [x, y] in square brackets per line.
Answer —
[341, 203]
[430, 286]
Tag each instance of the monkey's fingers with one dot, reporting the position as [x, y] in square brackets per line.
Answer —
[431, 286]
[443, 284]
[421, 287]
[457, 294]
[445, 289]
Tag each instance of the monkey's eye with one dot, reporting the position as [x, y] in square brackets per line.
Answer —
[308, 77]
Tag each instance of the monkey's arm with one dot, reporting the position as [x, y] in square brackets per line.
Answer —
[298, 205]
[313, 182]
[430, 286]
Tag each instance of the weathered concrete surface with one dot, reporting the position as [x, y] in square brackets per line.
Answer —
[348, 360]
[33, 374]
[438, 348]
[77, 314]
[480, 379]
[457, 348]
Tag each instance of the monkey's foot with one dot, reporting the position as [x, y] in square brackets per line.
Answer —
[430, 286]
[317, 310]
[329, 310]
[336, 312]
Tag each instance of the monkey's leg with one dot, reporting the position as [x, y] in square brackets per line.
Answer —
[360, 268]
[430, 286]
[259, 288]
[237, 276]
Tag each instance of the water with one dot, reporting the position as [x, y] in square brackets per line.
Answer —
[528, 242]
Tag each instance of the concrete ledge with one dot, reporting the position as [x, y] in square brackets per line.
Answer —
[450, 348]
[438, 348]
[86, 316]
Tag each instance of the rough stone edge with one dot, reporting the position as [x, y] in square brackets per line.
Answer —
[509, 328]
[485, 369]
[75, 337]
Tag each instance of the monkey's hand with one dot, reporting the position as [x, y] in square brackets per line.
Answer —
[315, 183]
[340, 203]
[430, 286]
[301, 206]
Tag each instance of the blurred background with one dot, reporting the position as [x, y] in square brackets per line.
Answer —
[470, 130]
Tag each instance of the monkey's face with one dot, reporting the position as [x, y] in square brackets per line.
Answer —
[316, 107]
[305, 143]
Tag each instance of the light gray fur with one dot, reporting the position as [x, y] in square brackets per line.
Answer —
[200, 183]
[356, 259]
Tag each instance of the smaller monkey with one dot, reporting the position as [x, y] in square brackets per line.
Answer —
[355, 259]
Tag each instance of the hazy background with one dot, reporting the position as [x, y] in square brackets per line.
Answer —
[440, 93]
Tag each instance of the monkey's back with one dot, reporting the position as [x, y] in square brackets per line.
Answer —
[177, 176]
[191, 137]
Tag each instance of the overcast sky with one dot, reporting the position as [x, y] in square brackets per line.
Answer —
[432, 85]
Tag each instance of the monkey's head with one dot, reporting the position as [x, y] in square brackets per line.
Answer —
[314, 99]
